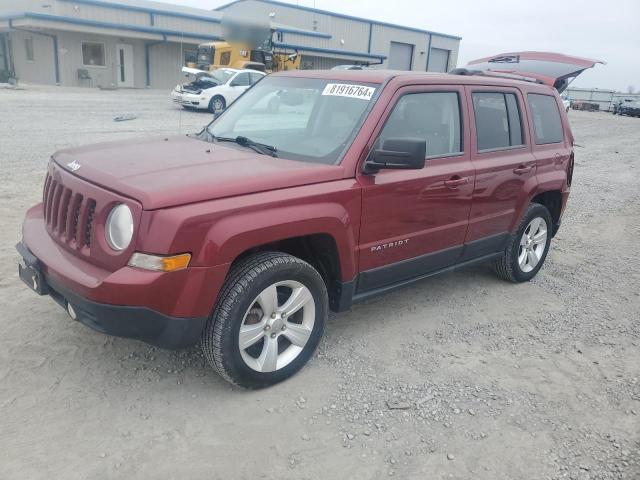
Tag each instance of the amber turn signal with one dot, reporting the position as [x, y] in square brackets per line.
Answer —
[160, 263]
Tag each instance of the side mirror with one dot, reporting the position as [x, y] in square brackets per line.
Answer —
[397, 153]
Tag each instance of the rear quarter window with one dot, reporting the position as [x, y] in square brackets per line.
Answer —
[547, 125]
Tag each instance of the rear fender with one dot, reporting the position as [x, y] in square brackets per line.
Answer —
[529, 190]
[548, 182]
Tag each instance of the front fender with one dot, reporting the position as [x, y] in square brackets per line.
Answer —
[216, 232]
[231, 236]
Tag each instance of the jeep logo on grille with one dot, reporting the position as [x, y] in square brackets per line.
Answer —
[73, 166]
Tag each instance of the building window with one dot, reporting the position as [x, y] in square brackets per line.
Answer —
[28, 49]
[93, 54]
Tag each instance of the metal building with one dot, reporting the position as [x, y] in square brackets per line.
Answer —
[604, 98]
[139, 43]
[344, 39]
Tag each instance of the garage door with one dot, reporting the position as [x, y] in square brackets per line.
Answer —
[400, 56]
[438, 60]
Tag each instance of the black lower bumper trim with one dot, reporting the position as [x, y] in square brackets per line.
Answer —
[139, 323]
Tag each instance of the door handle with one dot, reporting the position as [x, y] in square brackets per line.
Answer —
[456, 181]
[522, 169]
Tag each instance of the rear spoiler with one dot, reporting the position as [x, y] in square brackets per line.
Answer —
[552, 69]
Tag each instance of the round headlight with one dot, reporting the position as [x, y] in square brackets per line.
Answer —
[119, 228]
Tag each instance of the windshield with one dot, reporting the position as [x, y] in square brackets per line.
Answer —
[220, 76]
[303, 118]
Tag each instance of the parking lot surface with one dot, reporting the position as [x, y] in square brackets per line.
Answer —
[460, 376]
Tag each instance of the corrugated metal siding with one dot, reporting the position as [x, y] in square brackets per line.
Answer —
[605, 98]
[322, 63]
[347, 35]
[70, 46]
[41, 69]
[166, 62]
[187, 25]
[354, 33]
[102, 14]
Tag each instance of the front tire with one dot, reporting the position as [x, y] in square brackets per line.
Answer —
[527, 249]
[217, 104]
[268, 320]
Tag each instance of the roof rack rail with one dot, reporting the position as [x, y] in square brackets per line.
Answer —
[489, 73]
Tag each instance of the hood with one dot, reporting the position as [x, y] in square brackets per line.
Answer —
[553, 69]
[194, 71]
[165, 172]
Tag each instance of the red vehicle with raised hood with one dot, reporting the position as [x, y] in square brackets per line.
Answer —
[314, 190]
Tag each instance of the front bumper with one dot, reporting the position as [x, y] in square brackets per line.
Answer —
[168, 309]
[188, 99]
[140, 323]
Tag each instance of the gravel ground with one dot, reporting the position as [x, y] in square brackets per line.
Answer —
[461, 376]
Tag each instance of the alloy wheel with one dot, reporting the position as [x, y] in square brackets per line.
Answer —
[277, 326]
[532, 244]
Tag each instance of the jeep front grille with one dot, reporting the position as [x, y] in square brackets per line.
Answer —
[68, 215]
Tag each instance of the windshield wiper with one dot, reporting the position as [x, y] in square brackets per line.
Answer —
[247, 142]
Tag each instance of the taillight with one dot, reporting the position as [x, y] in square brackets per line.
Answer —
[570, 170]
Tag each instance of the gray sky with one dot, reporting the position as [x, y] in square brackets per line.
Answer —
[604, 30]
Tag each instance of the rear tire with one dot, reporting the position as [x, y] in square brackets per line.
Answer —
[527, 248]
[277, 306]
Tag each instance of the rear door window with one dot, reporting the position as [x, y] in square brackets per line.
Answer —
[432, 116]
[241, 80]
[255, 77]
[498, 120]
[547, 125]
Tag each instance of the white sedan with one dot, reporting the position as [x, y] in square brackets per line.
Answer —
[216, 90]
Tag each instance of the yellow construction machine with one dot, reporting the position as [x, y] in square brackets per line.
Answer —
[232, 54]
[248, 43]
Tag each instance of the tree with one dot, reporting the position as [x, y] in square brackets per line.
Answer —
[631, 89]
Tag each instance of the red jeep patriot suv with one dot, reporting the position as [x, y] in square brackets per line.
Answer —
[314, 190]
